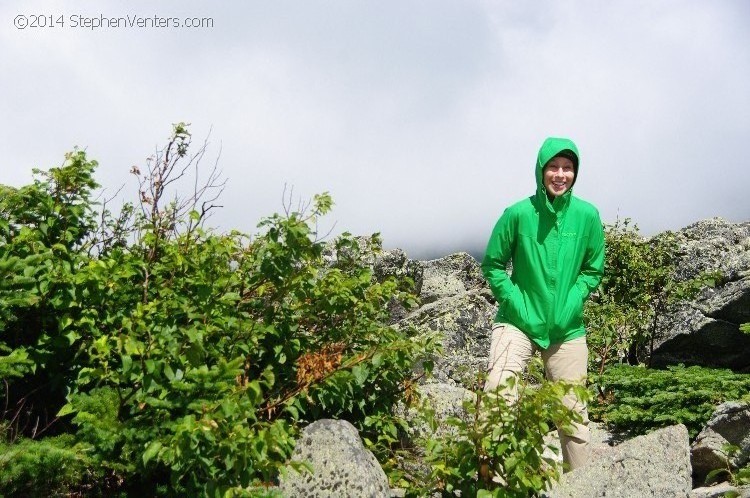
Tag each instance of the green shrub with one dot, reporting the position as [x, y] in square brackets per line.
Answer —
[54, 466]
[638, 286]
[183, 359]
[497, 448]
[43, 227]
[638, 400]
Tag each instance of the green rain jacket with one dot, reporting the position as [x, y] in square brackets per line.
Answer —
[557, 252]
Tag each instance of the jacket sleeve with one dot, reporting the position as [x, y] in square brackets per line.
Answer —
[499, 251]
[592, 269]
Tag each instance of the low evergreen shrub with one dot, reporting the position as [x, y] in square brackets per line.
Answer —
[53, 466]
[637, 400]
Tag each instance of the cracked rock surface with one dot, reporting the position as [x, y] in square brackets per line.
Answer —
[706, 330]
[341, 465]
[654, 465]
[729, 424]
[450, 275]
[458, 305]
[464, 324]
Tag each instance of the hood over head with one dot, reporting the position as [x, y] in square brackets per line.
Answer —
[554, 146]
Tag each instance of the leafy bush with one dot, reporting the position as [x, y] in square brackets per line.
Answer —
[638, 286]
[183, 359]
[638, 399]
[497, 448]
[43, 227]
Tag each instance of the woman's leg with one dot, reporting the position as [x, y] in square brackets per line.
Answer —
[568, 362]
[510, 352]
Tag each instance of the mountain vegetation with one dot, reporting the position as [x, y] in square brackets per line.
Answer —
[143, 353]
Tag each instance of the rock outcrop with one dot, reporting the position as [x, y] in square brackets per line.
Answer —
[705, 331]
[450, 276]
[341, 465]
[601, 442]
[445, 400]
[721, 490]
[464, 324]
[394, 263]
[729, 425]
[654, 465]
[456, 304]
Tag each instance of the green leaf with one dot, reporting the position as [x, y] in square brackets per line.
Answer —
[150, 365]
[254, 392]
[151, 451]
[360, 373]
[66, 409]
[72, 337]
[127, 363]
[229, 461]
[168, 372]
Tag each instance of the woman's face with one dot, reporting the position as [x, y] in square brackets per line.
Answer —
[558, 177]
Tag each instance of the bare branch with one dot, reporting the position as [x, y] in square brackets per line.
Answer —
[324, 237]
[286, 203]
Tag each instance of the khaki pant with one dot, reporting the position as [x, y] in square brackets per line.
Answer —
[510, 353]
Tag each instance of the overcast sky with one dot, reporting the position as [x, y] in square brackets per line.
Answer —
[421, 118]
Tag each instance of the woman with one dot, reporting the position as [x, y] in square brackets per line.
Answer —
[555, 242]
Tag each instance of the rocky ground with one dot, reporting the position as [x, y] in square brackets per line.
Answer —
[457, 304]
